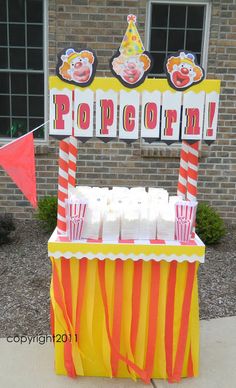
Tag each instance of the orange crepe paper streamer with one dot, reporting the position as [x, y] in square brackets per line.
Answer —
[184, 323]
[81, 287]
[69, 363]
[190, 364]
[141, 373]
[117, 315]
[58, 293]
[170, 302]
[137, 282]
[66, 283]
[153, 313]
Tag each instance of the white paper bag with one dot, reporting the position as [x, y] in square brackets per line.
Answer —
[147, 223]
[111, 224]
[92, 223]
[158, 194]
[130, 223]
[166, 223]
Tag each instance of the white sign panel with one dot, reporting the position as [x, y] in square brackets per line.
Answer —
[150, 117]
[166, 116]
[83, 113]
[170, 116]
[129, 115]
[106, 113]
[192, 120]
[60, 112]
[211, 116]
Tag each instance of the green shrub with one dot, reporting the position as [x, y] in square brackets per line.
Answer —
[209, 225]
[47, 212]
[6, 227]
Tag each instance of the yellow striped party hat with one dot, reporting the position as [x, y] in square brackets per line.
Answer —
[131, 43]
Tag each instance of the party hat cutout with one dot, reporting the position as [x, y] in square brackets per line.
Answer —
[131, 43]
[131, 63]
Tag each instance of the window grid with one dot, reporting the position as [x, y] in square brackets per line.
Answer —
[185, 28]
[22, 119]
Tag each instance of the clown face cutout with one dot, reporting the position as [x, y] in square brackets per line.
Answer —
[131, 63]
[131, 70]
[77, 67]
[183, 71]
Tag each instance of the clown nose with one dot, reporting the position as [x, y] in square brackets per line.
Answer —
[78, 65]
[131, 65]
[184, 70]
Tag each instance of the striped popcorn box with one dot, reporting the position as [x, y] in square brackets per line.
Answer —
[75, 213]
[185, 215]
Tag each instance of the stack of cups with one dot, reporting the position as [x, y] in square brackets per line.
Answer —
[75, 213]
[185, 216]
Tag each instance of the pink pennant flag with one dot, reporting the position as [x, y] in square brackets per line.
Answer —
[17, 159]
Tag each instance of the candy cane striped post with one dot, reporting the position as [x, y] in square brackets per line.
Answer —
[73, 150]
[193, 162]
[183, 171]
[193, 156]
[72, 153]
[62, 185]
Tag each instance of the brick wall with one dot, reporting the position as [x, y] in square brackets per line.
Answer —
[100, 25]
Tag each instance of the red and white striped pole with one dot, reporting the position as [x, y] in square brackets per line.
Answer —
[73, 150]
[193, 162]
[62, 185]
[183, 171]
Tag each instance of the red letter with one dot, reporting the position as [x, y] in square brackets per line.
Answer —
[129, 118]
[150, 115]
[192, 122]
[62, 106]
[83, 116]
[211, 114]
[171, 117]
[107, 115]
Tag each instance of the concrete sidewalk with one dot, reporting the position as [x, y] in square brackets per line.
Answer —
[31, 366]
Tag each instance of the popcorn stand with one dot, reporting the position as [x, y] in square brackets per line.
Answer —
[124, 290]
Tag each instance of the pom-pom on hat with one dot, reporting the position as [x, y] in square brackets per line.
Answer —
[131, 43]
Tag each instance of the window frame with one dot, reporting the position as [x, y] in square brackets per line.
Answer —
[158, 146]
[206, 25]
[5, 140]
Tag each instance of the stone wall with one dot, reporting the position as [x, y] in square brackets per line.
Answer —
[100, 25]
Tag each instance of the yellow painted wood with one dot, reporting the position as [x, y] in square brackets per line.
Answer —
[109, 83]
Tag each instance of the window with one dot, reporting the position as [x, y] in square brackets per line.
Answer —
[176, 25]
[21, 67]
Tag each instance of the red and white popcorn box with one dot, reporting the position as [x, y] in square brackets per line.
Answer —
[75, 213]
[185, 216]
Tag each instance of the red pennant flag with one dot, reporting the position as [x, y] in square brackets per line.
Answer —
[17, 159]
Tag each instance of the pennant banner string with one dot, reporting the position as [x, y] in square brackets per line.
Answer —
[33, 130]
